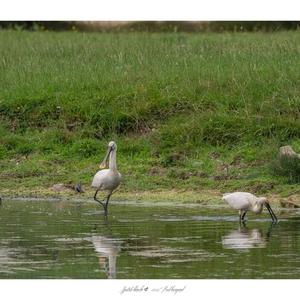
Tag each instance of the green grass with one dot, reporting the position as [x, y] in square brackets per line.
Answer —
[188, 111]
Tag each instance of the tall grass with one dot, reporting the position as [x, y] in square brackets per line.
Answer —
[64, 95]
[288, 168]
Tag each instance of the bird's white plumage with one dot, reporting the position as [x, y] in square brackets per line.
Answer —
[243, 202]
[240, 200]
[106, 180]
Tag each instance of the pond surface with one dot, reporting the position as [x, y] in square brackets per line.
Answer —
[71, 239]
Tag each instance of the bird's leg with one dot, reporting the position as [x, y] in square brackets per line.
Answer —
[106, 204]
[95, 198]
[243, 216]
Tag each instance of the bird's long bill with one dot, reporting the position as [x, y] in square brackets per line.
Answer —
[273, 216]
[104, 164]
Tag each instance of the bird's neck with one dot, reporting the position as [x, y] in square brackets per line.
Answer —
[257, 208]
[113, 161]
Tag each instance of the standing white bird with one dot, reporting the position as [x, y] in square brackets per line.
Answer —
[244, 202]
[107, 179]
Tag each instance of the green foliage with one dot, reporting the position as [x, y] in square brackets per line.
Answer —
[2, 152]
[288, 167]
[179, 105]
[85, 148]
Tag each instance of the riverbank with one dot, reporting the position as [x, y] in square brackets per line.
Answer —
[161, 197]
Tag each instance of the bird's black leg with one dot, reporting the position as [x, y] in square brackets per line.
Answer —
[106, 205]
[243, 216]
[95, 198]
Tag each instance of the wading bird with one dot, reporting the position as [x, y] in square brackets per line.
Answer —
[244, 202]
[108, 179]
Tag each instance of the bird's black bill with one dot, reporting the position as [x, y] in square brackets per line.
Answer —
[273, 216]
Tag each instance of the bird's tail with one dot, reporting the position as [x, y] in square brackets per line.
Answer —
[224, 195]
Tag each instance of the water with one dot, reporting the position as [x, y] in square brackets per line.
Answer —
[68, 239]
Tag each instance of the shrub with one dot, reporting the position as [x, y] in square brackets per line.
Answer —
[288, 167]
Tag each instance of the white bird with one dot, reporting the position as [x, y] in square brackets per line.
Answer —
[107, 179]
[244, 202]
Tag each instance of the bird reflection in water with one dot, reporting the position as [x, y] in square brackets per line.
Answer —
[244, 238]
[107, 250]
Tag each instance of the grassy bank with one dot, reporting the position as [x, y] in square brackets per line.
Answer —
[189, 112]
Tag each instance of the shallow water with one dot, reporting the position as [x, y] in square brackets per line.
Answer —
[69, 239]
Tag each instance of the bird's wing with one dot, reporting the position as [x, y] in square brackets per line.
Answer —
[99, 178]
[236, 201]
